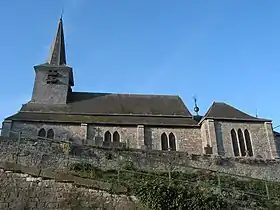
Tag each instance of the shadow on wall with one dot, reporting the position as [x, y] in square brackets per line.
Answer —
[220, 143]
[148, 138]
[84, 96]
[95, 137]
[277, 142]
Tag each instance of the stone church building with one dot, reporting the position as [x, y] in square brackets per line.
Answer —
[160, 122]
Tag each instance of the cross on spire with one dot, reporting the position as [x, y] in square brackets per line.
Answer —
[57, 55]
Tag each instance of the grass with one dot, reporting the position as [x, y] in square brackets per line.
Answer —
[250, 189]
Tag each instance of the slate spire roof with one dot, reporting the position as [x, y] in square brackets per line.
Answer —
[57, 55]
[223, 111]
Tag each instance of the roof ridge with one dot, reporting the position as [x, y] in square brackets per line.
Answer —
[106, 114]
[241, 111]
[230, 112]
[208, 111]
[129, 94]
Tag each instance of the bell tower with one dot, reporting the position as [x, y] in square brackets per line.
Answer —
[54, 79]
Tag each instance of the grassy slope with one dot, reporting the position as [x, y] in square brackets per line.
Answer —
[197, 189]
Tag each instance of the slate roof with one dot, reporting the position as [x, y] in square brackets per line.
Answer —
[110, 108]
[116, 104]
[276, 133]
[223, 111]
[104, 119]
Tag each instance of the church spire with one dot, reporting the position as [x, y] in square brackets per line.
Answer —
[57, 54]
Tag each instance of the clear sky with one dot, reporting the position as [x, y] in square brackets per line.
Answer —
[217, 50]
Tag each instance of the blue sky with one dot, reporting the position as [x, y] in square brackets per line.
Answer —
[217, 50]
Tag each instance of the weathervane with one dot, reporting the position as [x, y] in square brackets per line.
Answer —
[196, 108]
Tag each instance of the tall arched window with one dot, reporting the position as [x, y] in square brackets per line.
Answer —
[107, 139]
[248, 143]
[164, 142]
[42, 132]
[116, 138]
[234, 142]
[50, 134]
[172, 142]
[241, 142]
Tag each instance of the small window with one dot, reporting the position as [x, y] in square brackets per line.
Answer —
[172, 142]
[164, 142]
[50, 134]
[248, 143]
[42, 132]
[107, 139]
[241, 142]
[116, 138]
[234, 143]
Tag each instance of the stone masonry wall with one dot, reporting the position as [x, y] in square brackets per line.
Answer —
[127, 134]
[51, 93]
[52, 155]
[257, 131]
[187, 139]
[190, 140]
[277, 140]
[22, 191]
[6, 127]
[72, 132]
[204, 135]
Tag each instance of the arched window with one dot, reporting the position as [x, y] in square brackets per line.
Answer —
[234, 142]
[248, 143]
[172, 142]
[164, 142]
[241, 142]
[42, 132]
[116, 138]
[50, 134]
[107, 139]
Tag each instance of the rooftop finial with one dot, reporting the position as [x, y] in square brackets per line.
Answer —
[196, 108]
[62, 13]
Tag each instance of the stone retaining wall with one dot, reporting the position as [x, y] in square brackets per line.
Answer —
[53, 155]
[49, 190]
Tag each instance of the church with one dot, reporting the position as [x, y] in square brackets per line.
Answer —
[158, 122]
